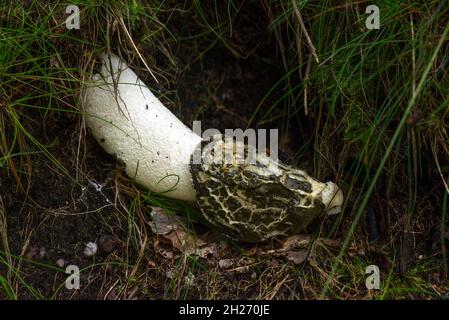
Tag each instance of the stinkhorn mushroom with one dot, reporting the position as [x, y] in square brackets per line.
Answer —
[251, 201]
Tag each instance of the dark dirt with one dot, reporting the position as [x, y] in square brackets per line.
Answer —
[59, 215]
[225, 91]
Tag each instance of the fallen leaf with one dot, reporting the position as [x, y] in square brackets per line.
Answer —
[172, 232]
[189, 279]
[184, 241]
[296, 242]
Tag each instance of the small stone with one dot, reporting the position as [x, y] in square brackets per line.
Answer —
[60, 263]
[90, 249]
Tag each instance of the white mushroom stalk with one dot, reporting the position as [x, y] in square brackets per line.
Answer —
[130, 122]
[156, 147]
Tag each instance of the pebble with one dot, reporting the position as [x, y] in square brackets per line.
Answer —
[90, 249]
[36, 253]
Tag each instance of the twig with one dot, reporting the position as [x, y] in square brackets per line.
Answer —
[135, 48]
[303, 27]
